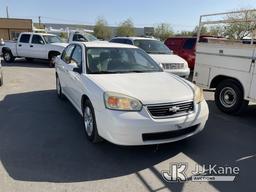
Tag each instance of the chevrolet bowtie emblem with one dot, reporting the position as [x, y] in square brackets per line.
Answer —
[174, 109]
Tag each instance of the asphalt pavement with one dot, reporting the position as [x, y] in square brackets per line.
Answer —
[43, 148]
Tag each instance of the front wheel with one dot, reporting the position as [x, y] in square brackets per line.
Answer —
[90, 126]
[229, 97]
[52, 58]
[59, 89]
[8, 57]
[1, 79]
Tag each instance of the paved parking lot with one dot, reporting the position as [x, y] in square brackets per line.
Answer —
[42, 147]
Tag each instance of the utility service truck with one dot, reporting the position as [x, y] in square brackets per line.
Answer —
[228, 66]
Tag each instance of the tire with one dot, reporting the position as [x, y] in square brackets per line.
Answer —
[1, 79]
[29, 59]
[52, 56]
[89, 122]
[8, 57]
[229, 97]
[59, 89]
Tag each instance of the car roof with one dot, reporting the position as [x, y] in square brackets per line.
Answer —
[136, 38]
[32, 33]
[106, 44]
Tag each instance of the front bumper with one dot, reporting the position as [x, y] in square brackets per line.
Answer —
[180, 72]
[139, 128]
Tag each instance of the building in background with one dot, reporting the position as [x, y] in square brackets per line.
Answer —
[52, 27]
[10, 28]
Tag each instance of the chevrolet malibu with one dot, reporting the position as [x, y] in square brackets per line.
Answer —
[123, 97]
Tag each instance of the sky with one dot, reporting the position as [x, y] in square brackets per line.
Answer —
[180, 14]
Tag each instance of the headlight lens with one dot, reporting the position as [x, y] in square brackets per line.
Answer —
[199, 95]
[118, 101]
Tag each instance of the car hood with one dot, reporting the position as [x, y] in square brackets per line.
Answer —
[60, 44]
[149, 88]
[167, 58]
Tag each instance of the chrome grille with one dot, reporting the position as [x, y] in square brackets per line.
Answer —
[173, 65]
[170, 110]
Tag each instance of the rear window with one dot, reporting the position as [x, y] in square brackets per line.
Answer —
[24, 38]
[189, 44]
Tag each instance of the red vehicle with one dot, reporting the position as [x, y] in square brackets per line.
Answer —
[185, 47]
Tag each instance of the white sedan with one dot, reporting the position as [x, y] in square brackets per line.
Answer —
[125, 97]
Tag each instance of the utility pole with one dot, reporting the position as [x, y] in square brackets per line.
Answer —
[7, 12]
[39, 21]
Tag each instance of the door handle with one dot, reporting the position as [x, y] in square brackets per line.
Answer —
[31, 46]
[20, 45]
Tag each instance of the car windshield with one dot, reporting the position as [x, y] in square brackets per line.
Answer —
[90, 37]
[52, 39]
[152, 46]
[119, 60]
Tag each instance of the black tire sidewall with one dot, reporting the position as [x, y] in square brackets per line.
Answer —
[11, 57]
[60, 94]
[1, 79]
[237, 108]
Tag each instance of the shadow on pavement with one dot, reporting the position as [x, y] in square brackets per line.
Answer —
[41, 139]
[36, 63]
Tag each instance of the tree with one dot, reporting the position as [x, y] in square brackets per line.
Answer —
[185, 33]
[63, 35]
[126, 28]
[204, 30]
[239, 30]
[101, 31]
[163, 31]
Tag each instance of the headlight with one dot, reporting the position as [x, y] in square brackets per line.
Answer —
[118, 101]
[199, 95]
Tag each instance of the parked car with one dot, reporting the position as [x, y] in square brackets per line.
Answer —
[1, 73]
[159, 52]
[229, 68]
[185, 47]
[125, 97]
[33, 46]
[81, 37]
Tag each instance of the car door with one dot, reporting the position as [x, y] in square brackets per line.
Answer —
[63, 68]
[37, 48]
[23, 46]
[75, 85]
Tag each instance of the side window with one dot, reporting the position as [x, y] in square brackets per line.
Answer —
[79, 37]
[77, 56]
[37, 39]
[66, 55]
[128, 41]
[117, 41]
[24, 38]
[189, 44]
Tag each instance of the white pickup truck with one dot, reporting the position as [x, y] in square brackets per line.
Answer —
[227, 66]
[33, 46]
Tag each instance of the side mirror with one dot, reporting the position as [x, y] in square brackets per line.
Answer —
[75, 67]
[77, 70]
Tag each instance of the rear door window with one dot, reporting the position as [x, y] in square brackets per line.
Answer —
[79, 37]
[37, 39]
[25, 38]
[117, 41]
[189, 44]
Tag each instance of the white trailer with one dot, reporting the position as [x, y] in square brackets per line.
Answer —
[228, 67]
